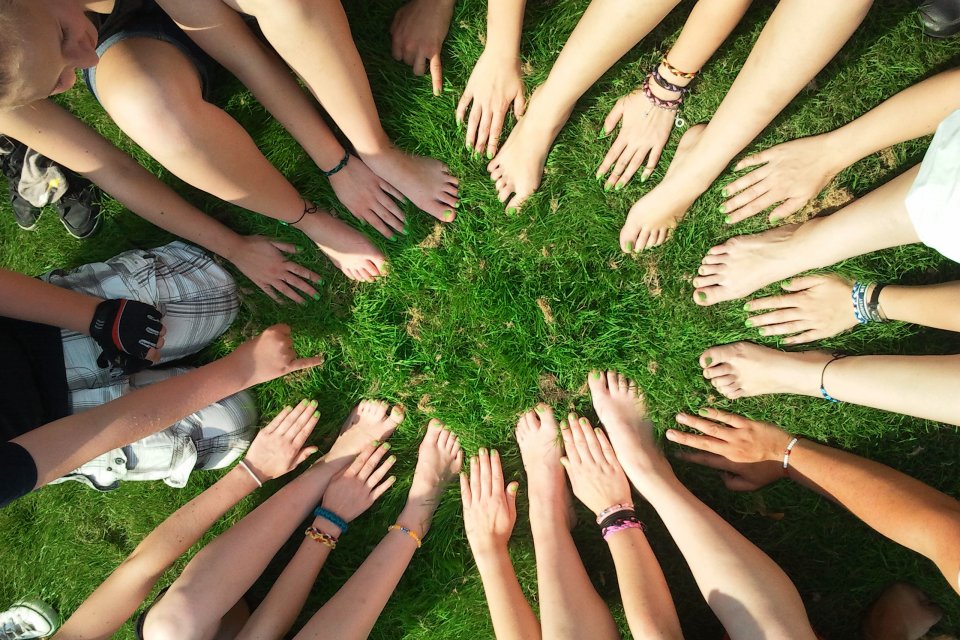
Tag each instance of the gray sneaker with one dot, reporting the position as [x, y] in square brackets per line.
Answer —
[28, 619]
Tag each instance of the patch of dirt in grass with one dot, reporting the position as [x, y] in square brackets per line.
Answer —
[547, 311]
[833, 198]
[423, 405]
[433, 240]
[652, 367]
[413, 323]
[550, 391]
[888, 158]
[651, 276]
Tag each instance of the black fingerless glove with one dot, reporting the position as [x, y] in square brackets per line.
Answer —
[126, 330]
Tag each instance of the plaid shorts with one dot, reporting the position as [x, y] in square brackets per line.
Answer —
[198, 300]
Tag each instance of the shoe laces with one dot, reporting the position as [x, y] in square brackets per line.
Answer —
[14, 628]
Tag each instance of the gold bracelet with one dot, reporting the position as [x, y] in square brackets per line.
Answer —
[412, 534]
[321, 537]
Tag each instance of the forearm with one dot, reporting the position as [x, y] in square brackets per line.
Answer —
[278, 611]
[930, 305]
[512, 617]
[709, 24]
[351, 613]
[643, 588]
[504, 24]
[104, 612]
[26, 298]
[63, 445]
[914, 112]
[900, 507]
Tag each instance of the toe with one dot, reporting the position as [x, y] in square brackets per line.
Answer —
[701, 282]
[396, 415]
[597, 382]
[612, 379]
[533, 419]
[710, 357]
[434, 427]
[546, 416]
[443, 437]
[712, 258]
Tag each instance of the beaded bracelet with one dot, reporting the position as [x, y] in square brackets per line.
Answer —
[323, 538]
[332, 518]
[613, 509]
[409, 532]
[340, 165]
[617, 516]
[629, 524]
[857, 295]
[786, 455]
[690, 75]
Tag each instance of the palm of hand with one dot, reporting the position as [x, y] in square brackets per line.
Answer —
[489, 520]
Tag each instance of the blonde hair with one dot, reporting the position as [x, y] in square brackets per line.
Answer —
[11, 50]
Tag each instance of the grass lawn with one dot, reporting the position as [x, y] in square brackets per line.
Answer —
[482, 318]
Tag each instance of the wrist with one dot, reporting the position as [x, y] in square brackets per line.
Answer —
[487, 550]
[325, 526]
[229, 246]
[840, 148]
[502, 50]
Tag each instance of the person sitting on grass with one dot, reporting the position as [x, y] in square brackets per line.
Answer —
[72, 341]
[207, 599]
[747, 591]
[750, 454]
[53, 450]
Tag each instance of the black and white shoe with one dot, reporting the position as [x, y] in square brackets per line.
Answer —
[28, 619]
[940, 18]
[79, 208]
[11, 164]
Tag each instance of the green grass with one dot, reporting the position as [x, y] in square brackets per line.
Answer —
[456, 332]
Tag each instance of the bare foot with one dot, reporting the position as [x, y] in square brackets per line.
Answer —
[744, 369]
[623, 413]
[370, 420]
[348, 249]
[518, 167]
[744, 264]
[902, 612]
[653, 217]
[439, 460]
[427, 182]
[538, 435]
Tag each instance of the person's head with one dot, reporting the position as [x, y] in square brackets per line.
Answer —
[42, 44]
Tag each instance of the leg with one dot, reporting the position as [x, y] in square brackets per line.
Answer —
[304, 33]
[902, 612]
[214, 580]
[568, 602]
[920, 386]
[152, 90]
[351, 613]
[749, 593]
[607, 30]
[744, 264]
[799, 39]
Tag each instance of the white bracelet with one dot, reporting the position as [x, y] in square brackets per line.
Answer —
[243, 463]
[787, 452]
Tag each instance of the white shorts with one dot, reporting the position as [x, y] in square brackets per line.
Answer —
[933, 202]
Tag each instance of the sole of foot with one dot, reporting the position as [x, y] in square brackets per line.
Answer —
[368, 421]
[653, 217]
[517, 169]
[623, 412]
[348, 249]
[439, 460]
[538, 435]
[901, 612]
[425, 181]
[745, 264]
[744, 369]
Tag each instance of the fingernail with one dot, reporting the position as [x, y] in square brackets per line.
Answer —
[724, 192]
[596, 430]
[512, 211]
[708, 360]
[603, 132]
[513, 488]
[392, 459]
[763, 331]
[375, 443]
[316, 296]
[288, 408]
[489, 155]
[386, 446]
[727, 219]
[436, 92]
[701, 295]
[629, 247]
[747, 323]
[618, 187]
[746, 306]
[483, 451]
[314, 402]
[722, 209]
[599, 176]
[405, 231]
[316, 414]
[644, 177]
[776, 219]
[393, 238]
[469, 148]
[584, 422]
[494, 453]
[564, 425]
[607, 187]
[703, 412]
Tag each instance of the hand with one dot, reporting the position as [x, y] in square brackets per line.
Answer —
[817, 307]
[489, 509]
[369, 198]
[270, 355]
[358, 487]
[738, 476]
[261, 259]
[734, 437]
[595, 474]
[644, 130]
[792, 173]
[278, 447]
[493, 85]
[419, 29]
[129, 332]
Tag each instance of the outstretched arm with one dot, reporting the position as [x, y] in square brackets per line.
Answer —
[276, 450]
[25, 298]
[900, 507]
[794, 172]
[65, 444]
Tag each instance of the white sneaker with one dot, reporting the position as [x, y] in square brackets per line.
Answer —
[28, 619]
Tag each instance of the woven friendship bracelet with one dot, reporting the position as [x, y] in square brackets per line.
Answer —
[409, 532]
[666, 84]
[341, 165]
[857, 296]
[332, 518]
[690, 75]
[321, 537]
[669, 105]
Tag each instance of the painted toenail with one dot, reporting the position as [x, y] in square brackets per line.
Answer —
[386, 446]
[701, 295]
[747, 323]
[722, 209]
[448, 215]
[595, 375]
[629, 247]
[708, 360]
[512, 211]
[703, 412]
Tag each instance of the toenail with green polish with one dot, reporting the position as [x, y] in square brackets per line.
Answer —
[703, 412]
[539, 409]
[747, 323]
[512, 211]
[386, 446]
[629, 246]
[708, 360]
[727, 219]
[701, 295]
[595, 375]
[448, 214]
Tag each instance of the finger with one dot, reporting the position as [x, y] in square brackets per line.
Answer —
[753, 160]
[382, 489]
[786, 208]
[372, 460]
[387, 216]
[631, 169]
[296, 418]
[620, 166]
[379, 225]
[485, 473]
[419, 64]
[295, 281]
[703, 443]
[361, 459]
[303, 432]
[473, 122]
[606, 448]
[770, 302]
[717, 415]
[496, 472]
[612, 155]
[512, 490]
[267, 289]
[286, 247]
[590, 439]
[773, 318]
[496, 127]
[304, 454]
[804, 282]
[392, 191]
[153, 354]
[475, 477]
[652, 160]
[465, 100]
[610, 123]
[706, 427]
[302, 272]
[760, 204]
[569, 447]
[784, 328]
[576, 431]
[711, 460]
[466, 496]
[483, 132]
[736, 482]
[387, 201]
[377, 474]
[436, 72]
[282, 287]
[306, 363]
[805, 337]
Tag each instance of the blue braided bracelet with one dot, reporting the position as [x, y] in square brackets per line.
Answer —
[341, 165]
[334, 519]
